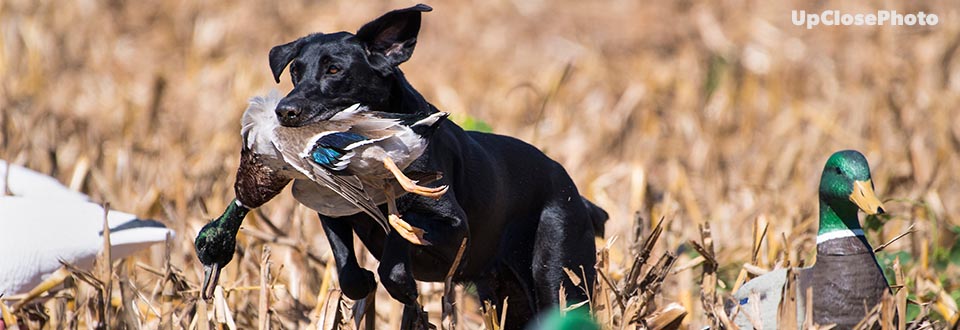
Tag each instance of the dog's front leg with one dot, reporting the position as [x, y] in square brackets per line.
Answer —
[355, 281]
[397, 278]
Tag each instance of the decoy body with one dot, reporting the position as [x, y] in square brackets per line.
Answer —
[332, 163]
[845, 279]
[43, 222]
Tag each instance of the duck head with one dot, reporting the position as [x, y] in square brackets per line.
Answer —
[216, 243]
[845, 187]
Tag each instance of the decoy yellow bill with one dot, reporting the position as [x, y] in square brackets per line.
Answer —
[865, 198]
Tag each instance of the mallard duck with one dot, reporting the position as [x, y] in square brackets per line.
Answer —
[363, 148]
[331, 163]
[70, 225]
[340, 155]
[846, 276]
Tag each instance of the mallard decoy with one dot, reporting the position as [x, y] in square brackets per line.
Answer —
[846, 276]
[331, 163]
[71, 228]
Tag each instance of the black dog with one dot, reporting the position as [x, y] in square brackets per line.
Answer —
[522, 214]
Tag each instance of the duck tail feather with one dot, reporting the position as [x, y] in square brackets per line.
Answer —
[428, 125]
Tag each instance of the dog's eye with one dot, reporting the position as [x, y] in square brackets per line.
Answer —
[333, 69]
[294, 73]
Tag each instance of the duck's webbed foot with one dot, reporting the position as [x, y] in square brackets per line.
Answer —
[404, 229]
[411, 186]
[408, 232]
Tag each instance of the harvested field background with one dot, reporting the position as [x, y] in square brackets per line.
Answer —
[719, 113]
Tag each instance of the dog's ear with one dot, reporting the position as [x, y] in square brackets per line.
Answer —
[394, 34]
[281, 55]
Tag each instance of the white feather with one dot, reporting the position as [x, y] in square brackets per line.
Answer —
[364, 142]
[431, 119]
[839, 234]
[258, 124]
[348, 112]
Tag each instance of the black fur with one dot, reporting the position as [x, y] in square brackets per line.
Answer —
[522, 214]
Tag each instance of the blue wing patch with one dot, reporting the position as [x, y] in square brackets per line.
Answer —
[330, 149]
[326, 157]
[339, 140]
[743, 301]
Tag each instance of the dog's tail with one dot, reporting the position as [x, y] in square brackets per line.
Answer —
[597, 216]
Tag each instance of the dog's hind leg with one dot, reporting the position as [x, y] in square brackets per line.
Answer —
[564, 240]
[521, 300]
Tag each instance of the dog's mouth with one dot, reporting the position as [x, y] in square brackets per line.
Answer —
[347, 112]
[311, 119]
[323, 115]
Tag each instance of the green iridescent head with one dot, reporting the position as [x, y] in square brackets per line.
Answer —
[845, 187]
[216, 243]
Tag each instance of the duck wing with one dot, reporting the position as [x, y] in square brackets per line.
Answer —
[348, 187]
[335, 150]
[406, 120]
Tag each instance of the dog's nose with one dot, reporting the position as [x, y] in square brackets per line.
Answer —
[288, 112]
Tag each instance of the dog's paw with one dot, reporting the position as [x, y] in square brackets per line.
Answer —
[357, 283]
[414, 317]
[399, 282]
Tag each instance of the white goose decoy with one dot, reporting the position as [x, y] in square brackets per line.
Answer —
[43, 222]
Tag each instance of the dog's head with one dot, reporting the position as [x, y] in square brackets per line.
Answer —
[330, 72]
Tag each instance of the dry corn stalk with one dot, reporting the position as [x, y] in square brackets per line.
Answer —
[642, 254]
[787, 314]
[263, 307]
[708, 281]
[448, 318]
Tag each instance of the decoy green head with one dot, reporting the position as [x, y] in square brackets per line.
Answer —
[216, 243]
[846, 186]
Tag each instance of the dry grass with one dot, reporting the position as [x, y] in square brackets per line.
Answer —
[716, 114]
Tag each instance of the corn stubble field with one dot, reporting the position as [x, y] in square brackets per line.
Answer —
[715, 115]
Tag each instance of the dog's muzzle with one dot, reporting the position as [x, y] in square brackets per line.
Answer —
[289, 114]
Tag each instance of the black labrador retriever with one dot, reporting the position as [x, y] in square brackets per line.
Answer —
[522, 215]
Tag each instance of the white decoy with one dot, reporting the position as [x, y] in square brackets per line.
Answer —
[44, 222]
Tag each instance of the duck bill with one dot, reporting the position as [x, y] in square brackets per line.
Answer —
[865, 198]
[211, 276]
